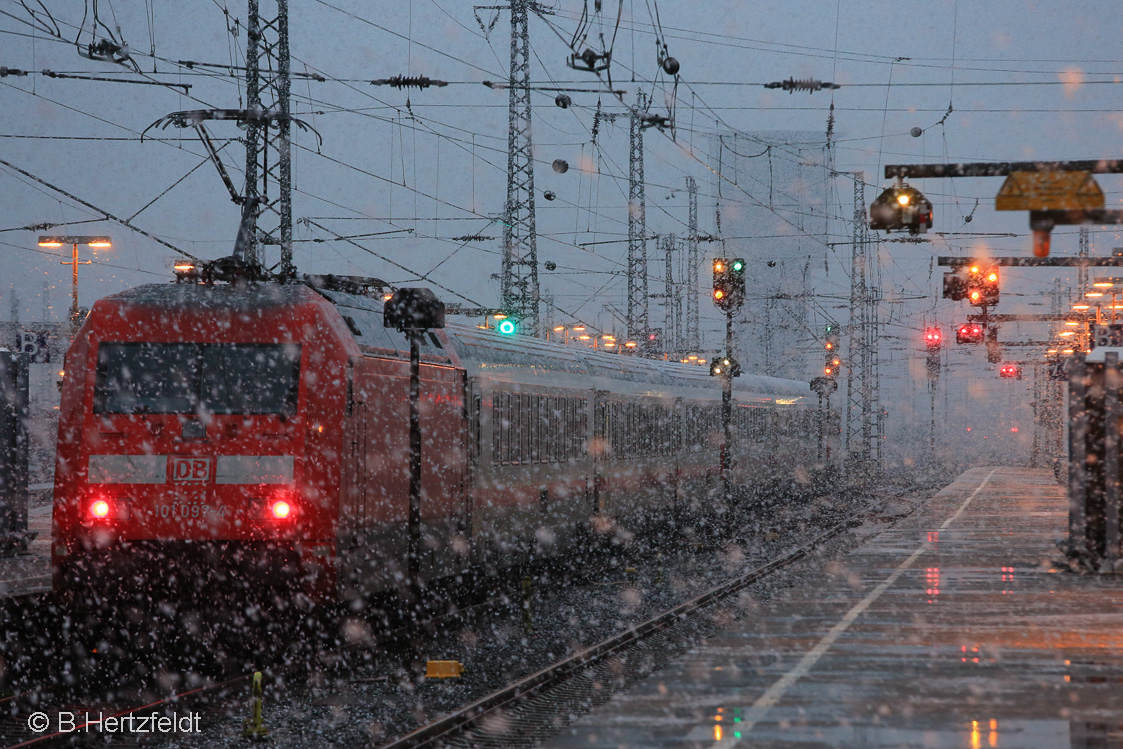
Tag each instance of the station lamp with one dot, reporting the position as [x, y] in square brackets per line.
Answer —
[901, 207]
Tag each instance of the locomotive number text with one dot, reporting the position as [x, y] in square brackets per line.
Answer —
[188, 510]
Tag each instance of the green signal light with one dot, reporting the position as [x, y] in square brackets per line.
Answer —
[738, 266]
[507, 328]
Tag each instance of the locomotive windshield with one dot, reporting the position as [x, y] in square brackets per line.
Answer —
[181, 378]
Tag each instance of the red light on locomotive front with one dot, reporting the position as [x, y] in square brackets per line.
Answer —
[281, 509]
[99, 510]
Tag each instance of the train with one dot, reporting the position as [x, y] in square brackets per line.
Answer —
[258, 434]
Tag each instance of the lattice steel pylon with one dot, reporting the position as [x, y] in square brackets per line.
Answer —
[268, 192]
[519, 286]
[693, 259]
[637, 315]
[864, 424]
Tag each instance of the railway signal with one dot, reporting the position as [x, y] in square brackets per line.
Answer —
[982, 285]
[414, 312]
[933, 338]
[833, 362]
[969, 332]
[729, 283]
[901, 207]
[833, 366]
[725, 366]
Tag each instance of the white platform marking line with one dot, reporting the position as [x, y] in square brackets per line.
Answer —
[761, 707]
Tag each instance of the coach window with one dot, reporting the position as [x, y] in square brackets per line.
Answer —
[615, 419]
[565, 444]
[498, 427]
[501, 428]
[557, 427]
[476, 421]
[524, 427]
[510, 427]
[543, 429]
[532, 428]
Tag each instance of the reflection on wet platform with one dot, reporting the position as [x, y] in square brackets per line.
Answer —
[958, 627]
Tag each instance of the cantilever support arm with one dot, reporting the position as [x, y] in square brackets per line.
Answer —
[213, 152]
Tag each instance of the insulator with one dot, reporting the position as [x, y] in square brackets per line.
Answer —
[402, 81]
[810, 85]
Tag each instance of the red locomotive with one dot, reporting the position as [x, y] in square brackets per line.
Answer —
[261, 434]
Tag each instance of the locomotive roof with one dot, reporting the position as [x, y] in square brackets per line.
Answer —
[173, 295]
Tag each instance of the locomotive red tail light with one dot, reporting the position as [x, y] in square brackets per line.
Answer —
[99, 510]
[280, 509]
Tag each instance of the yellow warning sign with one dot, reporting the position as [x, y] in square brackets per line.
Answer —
[1049, 191]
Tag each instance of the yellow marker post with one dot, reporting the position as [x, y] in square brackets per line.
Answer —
[254, 727]
[443, 669]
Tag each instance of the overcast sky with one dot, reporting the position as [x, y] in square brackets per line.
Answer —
[1024, 80]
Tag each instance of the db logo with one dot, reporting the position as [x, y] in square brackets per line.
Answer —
[191, 469]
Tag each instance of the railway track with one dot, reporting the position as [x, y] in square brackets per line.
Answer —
[544, 702]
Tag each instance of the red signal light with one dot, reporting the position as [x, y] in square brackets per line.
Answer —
[281, 509]
[99, 510]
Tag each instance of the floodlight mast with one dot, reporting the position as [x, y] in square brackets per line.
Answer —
[74, 241]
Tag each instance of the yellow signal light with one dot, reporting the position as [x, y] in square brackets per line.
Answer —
[718, 266]
[719, 294]
[827, 371]
[829, 345]
[903, 198]
[974, 269]
[992, 277]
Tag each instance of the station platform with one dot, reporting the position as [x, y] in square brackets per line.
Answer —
[30, 573]
[958, 627]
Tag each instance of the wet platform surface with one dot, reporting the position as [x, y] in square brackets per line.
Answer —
[31, 572]
[957, 627]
